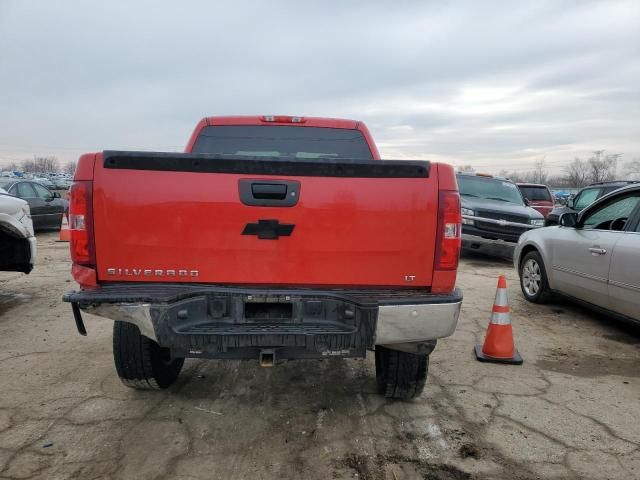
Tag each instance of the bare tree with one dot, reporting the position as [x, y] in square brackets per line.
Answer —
[539, 173]
[40, 165]
[12, 167]
[70, 168]
[576, 174]
[558, 181]
[46, 164]
[603, 167]
[632, 169]
[29, 166]
[466, 168]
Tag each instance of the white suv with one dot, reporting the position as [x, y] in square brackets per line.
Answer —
[17, 241]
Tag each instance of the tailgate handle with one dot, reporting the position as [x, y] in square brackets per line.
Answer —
[270, 191]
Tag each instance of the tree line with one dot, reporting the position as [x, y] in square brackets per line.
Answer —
[599, 167]
[42, 165]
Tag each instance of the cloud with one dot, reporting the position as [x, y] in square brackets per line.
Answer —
[486, 83]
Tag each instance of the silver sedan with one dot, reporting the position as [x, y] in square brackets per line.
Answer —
[592, 257]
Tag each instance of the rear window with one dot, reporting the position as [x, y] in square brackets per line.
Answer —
[283, 141]
[535, 194]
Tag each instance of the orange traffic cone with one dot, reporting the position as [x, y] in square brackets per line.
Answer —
[498, 344]
[65, 233]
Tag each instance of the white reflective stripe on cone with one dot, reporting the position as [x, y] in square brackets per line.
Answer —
[499, 318]
[501, 297]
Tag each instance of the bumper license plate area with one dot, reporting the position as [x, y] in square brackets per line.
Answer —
[268, 311]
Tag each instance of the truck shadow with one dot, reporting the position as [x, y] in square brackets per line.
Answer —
[312, 382]
[481, 259]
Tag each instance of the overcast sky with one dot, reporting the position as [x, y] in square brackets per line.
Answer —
[492, 84]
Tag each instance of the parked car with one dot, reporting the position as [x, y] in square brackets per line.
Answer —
[561, 197]
[60, 183]
[592, 256]
[294, 240]
[537, 196]
[493, 212]
[46, 206]
[44, 182]
[585, 197]
[17, 241]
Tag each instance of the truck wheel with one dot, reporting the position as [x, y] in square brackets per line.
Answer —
[140, 362]
[400, 374]
[533, 278]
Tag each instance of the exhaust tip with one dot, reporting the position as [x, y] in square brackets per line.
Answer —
[267, 358]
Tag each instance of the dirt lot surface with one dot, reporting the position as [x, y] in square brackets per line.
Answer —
[571, 411]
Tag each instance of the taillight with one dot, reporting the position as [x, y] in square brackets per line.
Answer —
[448, 238]
[282, 119]
[81, 223]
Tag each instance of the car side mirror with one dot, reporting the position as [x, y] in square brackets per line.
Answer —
[56, 195]
[569, 219]
[527, 202]
[570, 203]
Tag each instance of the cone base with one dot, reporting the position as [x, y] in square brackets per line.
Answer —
[515, 360]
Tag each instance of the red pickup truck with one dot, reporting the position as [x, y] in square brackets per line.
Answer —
[271, 238]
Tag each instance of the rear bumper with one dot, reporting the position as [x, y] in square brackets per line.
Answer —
[224, 322]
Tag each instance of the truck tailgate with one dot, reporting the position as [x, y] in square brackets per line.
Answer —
[199, 218]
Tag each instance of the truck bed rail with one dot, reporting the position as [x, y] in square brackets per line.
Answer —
[248, 165]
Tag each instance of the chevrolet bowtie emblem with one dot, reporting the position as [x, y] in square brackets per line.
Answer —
[268, 229]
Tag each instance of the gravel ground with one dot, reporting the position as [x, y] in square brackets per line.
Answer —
[571, 411]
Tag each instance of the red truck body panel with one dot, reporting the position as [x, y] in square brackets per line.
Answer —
[348, 231]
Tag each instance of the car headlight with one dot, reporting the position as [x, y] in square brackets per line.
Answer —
[469, 212]
[537, 222]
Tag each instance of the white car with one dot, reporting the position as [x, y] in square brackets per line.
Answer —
[17, 241]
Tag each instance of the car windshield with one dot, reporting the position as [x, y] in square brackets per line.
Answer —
[535, 194]
[586, 198]
[489, 188]
[283, 141]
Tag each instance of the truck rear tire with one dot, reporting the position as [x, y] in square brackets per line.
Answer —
[140, 362]
[400, 374]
